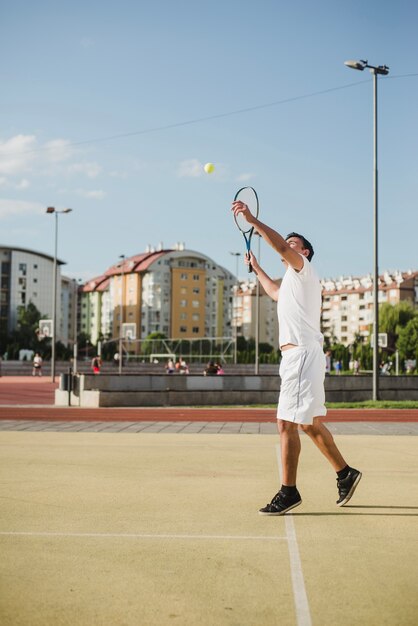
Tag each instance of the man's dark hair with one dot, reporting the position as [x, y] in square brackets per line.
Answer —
[306, 244]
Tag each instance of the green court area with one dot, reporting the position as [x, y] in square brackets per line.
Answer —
[155, 529]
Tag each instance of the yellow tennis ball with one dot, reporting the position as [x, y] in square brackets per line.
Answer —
[209, 168]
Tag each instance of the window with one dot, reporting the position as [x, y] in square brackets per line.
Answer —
[35, 267]
[195, 317]
[22, 268]
[195, 304]
[196, 276]
[196, 290]
[183, 303]
[195, 330]
[183, 276]
[183, 316]
[183, 329]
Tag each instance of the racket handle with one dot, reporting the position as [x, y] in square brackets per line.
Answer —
[250, 267]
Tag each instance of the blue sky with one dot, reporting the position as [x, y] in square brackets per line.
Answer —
[76, 75]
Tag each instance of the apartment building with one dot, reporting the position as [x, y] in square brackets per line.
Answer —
[245, 313]
[347, 302]
[178, 292]
[28, 276]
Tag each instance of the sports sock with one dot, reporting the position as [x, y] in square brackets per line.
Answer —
[288, 491]
[343, 473]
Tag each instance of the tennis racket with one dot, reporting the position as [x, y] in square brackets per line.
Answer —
[248, 196]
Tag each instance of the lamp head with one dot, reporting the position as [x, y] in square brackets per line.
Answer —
[356, 65]
[52, 209]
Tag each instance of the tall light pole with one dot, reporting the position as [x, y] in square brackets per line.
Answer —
[57, 212]
[257, 313]
[383, 70]
[236, 255]
[122, 256]
[75, 344]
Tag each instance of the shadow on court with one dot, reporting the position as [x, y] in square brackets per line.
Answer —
[155, 529]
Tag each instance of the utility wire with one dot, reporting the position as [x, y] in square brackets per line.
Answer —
[198, 120]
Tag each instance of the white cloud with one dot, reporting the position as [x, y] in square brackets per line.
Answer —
[90, 169]
[57, 150]
[14, 208]
[23, 184]
[16, 154]
[243, 178]
[192, 168]
[96, 194]
[116, 174]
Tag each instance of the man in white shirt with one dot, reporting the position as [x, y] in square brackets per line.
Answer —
[302, 368]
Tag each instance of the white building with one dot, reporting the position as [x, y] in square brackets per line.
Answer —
[347, 302]
[245, 313]
[28, 276]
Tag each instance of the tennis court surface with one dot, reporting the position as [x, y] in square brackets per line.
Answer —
[152, 528]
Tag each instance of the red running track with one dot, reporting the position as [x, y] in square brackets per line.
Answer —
[182, 414]
[25, 390]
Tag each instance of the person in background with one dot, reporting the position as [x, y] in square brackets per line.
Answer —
[183, 367]
[96, 364]
[328, 362]
[211, 369]
[170, 368]
[37, 365]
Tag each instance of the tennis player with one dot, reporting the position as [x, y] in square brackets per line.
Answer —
[302, 368]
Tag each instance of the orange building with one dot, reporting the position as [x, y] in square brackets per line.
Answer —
[180, 293]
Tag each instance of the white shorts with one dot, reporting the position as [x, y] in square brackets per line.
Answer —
[302, 393]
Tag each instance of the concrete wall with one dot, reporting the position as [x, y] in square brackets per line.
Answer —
[176, 390]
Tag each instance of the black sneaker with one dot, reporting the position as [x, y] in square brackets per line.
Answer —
[347, 486]
[281, 504]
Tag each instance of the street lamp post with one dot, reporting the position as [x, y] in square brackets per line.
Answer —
[383, 70]
[51, 209]
[75, 344]
[257, 314]
[122, 257]
[236, 255]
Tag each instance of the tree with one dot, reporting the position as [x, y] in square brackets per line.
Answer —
[408, 340]
[392, 318]
[341, 353]
[26, 334]
[154, 344]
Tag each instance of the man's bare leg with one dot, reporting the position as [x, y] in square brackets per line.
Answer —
[290, 448]
[348, 477]
[324, 441]
[288, 496]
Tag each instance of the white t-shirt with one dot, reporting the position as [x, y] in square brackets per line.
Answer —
[299, 306]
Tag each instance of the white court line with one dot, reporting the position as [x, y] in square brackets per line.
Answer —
[303, 615]
[140, 536]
